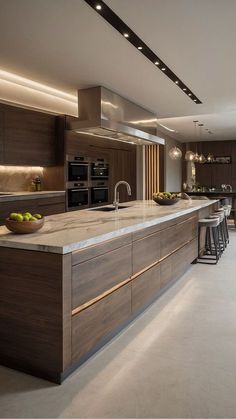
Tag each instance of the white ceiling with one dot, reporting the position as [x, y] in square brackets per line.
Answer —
[67, 45]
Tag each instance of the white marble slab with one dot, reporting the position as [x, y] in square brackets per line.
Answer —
[64, 233]
[17, 196]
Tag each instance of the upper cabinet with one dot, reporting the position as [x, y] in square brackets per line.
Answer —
[28, 137]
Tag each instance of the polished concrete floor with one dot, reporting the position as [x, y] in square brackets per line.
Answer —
[177, 360]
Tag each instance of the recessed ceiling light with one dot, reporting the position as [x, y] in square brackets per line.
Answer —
[126, 35]
[195, 100]
[157, 63]
[163, 68]
[185, 89]
[140, 48]
[177, 82]
[98, 7]
[190, 94]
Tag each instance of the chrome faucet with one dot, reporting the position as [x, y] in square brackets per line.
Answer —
[116, 194]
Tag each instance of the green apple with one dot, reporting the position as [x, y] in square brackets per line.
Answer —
[28, 214]
[38, 216]
[13, 216]
[19, 218]
[32, 218]
[26, 218]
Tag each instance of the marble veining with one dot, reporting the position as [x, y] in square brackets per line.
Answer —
[67, 232]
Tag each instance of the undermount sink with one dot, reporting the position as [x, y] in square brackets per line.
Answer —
[107, 209]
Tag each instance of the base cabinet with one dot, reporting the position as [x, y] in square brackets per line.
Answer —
[145, 287]
[98, 320]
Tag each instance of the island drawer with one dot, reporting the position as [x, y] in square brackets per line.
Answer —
[176, 236]
[183, 258]
[146, 251]
[93, 324]
[99, 274]
[167, 271]
[145, 287]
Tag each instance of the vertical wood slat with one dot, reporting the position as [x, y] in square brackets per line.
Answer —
[151, 170]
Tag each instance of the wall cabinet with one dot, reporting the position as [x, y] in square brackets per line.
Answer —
[27, 137]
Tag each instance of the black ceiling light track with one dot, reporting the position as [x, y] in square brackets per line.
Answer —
[102, 9]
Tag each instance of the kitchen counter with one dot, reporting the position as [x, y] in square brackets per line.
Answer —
[67, 232]
[68, 289]
[17, 196]
[216, 192]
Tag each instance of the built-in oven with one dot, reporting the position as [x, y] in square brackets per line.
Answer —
[99, 194]
[99, 169]
[78, 197]
[78, 168]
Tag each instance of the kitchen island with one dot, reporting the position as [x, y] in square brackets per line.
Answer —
[67, 289]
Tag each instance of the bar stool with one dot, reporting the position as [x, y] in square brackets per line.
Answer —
[227, 209]
[220, 229]
[213, 247]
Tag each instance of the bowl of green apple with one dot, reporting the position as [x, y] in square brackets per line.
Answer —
[24, 223]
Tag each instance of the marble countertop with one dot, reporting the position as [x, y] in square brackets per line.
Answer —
[216, 192]
[64, 233]
[16, 196]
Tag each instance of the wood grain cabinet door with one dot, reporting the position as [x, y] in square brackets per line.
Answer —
[97, 275]
[146, 251]
[145, 288]
[177, 235]
[96, 322]
[29, 137]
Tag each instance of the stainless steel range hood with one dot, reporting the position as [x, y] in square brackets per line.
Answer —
[105, 114]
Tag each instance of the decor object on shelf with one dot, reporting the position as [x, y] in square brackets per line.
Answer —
[165, 198]
[210, 158]
[175, 153]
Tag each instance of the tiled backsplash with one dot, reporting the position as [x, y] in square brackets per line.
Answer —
[18, 178]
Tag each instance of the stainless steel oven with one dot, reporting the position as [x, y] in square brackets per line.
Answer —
[78, 197]
[99, 194]
[78, 168]
[99, 169]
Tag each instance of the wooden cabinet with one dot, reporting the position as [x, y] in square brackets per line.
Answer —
[145, 288]
[146, 251]
[29, 137]
[96, 322]
[97, 275]
[44, 206]
[177, 235]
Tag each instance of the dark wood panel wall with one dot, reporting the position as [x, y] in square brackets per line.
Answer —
[213, 175]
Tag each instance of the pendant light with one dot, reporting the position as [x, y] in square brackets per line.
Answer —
[175, 153]
[196, 155]
[201, 158]
[189, 155]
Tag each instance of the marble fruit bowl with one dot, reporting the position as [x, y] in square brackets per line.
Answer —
[165, 201]
[24, 227]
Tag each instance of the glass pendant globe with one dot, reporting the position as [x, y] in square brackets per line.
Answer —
[175, 153]
[202, 158]
[196, 157]
[189, 155]
[210, 158]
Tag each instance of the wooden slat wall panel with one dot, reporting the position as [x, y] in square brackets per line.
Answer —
[152, 167]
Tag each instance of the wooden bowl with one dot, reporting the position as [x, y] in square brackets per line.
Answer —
[24, 227]
[165, 201]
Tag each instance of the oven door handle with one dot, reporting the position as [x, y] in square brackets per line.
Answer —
[95, 189]
[78, 190]
[78, 164]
